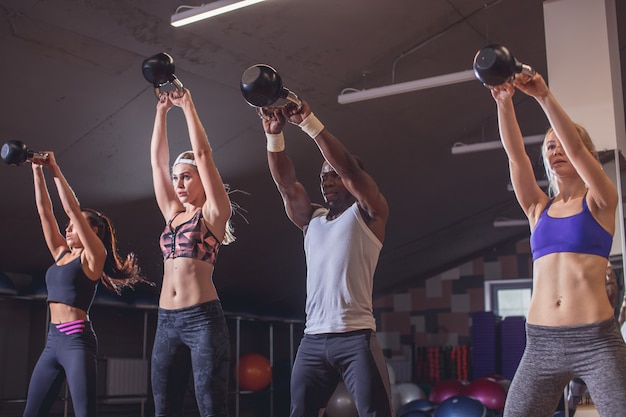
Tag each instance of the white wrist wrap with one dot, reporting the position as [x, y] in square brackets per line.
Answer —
[311, 125]
[275, 142]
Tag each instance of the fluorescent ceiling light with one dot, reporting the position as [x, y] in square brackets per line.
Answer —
[510, 222]
[406, 87]
[459, 148]
[194, 14]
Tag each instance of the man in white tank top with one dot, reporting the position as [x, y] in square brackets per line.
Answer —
[342, 241]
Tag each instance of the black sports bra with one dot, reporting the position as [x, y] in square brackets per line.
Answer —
[69, 285]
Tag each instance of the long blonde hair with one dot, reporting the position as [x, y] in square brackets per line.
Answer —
[553, 187]
[188, 157]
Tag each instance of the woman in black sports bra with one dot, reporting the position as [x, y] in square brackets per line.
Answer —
[84, 256]
[570, 330]
[196, 211]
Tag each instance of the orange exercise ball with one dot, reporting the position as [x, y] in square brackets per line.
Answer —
[255, 372]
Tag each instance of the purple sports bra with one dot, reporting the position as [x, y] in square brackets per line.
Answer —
[191, 239]
[580, 233]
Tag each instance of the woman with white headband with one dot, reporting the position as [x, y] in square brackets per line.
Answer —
[196, 209]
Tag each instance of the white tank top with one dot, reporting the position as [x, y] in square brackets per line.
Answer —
[341, 256]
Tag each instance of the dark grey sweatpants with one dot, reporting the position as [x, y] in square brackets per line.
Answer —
[596, 353]
[324, 359]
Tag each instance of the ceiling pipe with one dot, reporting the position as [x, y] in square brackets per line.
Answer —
[409, 86]
[510, 222]
[461, 148]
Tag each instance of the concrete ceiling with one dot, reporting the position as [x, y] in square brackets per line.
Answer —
[73, 84]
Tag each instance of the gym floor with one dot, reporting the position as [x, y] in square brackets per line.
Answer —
[586, 411]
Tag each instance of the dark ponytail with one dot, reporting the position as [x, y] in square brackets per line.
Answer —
[118, 272]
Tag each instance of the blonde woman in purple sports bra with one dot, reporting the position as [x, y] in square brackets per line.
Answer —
[196, 211]
[571, 330]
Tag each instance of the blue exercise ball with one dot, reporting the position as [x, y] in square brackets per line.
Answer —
[415, 413]
[460, 406]
[422, 404]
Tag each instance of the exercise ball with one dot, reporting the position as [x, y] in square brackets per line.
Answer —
[422, 405]
[445, 389]
[460, 406]
[489, 392]
[495, 377]
[408, 392]
[505, 384]
[340, 403]
[415, 413]
[255, 372]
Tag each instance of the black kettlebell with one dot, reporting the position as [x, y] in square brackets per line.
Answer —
[262, 86]
[495, 65]
[15, 152]
[158, 70]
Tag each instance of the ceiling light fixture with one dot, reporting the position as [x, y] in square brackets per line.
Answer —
[205, 11]
[510, 222]
[459, 148]
[390, 90]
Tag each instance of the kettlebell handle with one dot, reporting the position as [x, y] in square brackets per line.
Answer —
[158, 70]
[266, 112]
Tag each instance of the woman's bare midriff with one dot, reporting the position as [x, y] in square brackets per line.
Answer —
[569, 289]
[186, 282]
[62, 313]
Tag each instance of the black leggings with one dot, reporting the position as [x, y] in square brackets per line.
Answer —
[354, 357]
[202, 330]
[73, 356]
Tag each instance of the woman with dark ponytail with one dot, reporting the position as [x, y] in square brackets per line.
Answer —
[118, 272]
[85, 254]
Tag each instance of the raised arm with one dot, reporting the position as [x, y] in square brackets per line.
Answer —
[53, 237]
[601, 189]
[530, 196]
[160, 160]
[94, 252]
[217, 208]
[296, 199]
[358, 182]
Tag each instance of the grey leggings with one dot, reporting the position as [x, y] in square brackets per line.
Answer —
[596, 353]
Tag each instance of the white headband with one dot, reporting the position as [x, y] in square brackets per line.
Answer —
[184, 161]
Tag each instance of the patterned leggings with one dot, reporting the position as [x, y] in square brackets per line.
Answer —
[202, 330]
[596, 353]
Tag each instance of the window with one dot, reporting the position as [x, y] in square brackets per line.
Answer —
[508, 297]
